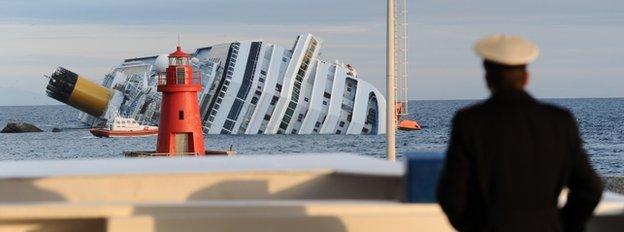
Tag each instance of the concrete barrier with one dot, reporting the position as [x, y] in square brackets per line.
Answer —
[317, 192]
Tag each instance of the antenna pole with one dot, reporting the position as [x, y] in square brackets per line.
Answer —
[390, 84]
[401, 58]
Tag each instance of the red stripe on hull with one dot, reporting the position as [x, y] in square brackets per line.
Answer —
[113, 134]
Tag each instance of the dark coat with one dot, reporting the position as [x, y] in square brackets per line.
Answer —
[508, 159]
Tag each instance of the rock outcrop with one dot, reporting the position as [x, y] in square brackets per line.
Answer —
[20, 127]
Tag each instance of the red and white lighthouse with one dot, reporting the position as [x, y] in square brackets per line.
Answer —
[179, 131]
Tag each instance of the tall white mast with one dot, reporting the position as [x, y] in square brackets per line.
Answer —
[401, 56]
[390, 84]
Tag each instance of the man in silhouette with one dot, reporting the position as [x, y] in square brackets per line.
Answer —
[510, 156]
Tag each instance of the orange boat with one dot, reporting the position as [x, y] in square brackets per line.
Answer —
[406, 124]
[124, 127]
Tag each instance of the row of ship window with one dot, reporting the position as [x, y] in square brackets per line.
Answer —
[254, 99]
[292, 105]
[226, 82]
[297, 87]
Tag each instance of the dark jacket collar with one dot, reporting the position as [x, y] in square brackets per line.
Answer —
[511, 96]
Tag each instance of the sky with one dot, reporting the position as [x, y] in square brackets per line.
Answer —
[580, 41]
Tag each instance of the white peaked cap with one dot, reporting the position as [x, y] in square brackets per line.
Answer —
[507, 49]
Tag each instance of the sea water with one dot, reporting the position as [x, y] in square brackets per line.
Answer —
[601, 123]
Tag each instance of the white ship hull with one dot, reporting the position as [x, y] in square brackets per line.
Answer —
[259, 88]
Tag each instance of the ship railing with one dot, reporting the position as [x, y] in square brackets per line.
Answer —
[179, 154]
[230, 151]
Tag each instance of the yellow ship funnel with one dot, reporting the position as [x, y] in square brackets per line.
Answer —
[78, 92]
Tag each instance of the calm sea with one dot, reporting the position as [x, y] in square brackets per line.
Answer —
[601, 122]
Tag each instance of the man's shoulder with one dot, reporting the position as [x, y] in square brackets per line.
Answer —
[469, 113]
[554, 110]
[472, 109]
[483, 107]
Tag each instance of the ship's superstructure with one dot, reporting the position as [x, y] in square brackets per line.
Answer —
[255, 87]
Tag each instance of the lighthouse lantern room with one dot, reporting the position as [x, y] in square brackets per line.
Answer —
[179, 131]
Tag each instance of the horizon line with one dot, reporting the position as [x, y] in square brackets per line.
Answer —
[455, 99]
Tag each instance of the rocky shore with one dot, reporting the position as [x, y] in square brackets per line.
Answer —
[20, 127]
[614, 184]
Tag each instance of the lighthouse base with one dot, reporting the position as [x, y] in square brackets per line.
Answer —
[156, 154]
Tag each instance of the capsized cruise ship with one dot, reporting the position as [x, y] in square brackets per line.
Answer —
[250, 87]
